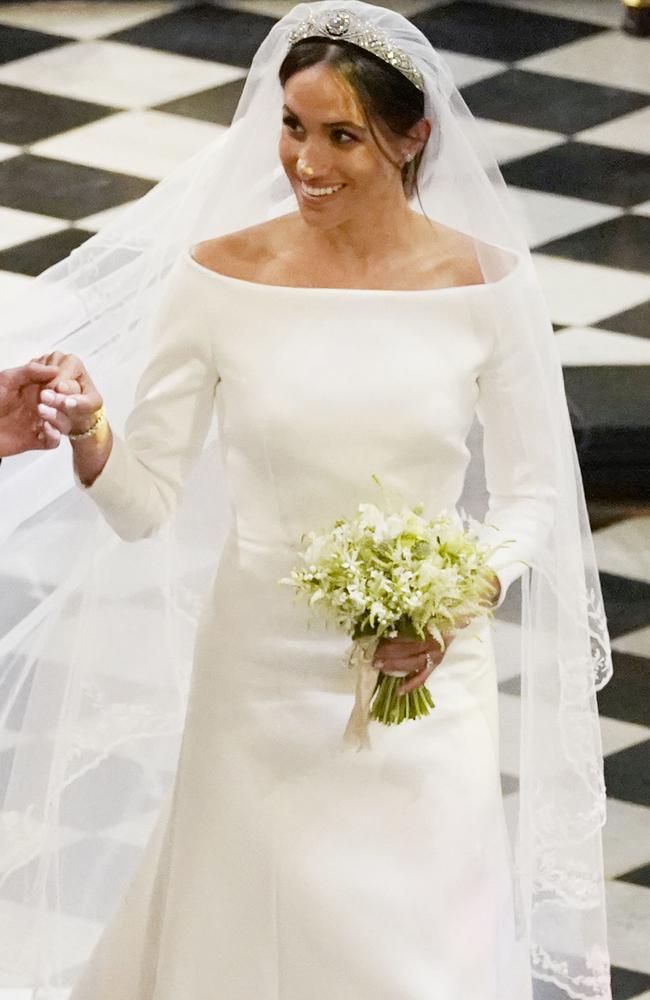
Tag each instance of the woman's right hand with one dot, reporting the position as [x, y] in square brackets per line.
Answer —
[70, 404]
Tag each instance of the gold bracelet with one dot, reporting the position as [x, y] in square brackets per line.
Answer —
[100, 421]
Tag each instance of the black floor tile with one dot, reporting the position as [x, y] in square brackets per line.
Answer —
[37, 255]
[217, 105]
[512, 685]
[608, 405]
[509, 784]
[493, 32]
[64, 190]
[549, 991]
[627, 605]
[638, 876]
[627, 695]
[635, 321]
[583, 170]
[204, 32]
[92, 899]
[29, 115]
[627, 774]
[622, 242]
[16, 43]
[538, 100]
[628, 983]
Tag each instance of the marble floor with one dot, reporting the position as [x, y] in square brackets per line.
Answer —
[99, 100]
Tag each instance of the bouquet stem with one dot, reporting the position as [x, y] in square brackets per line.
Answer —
[392, 708]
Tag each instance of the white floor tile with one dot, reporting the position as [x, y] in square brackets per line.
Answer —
[605, 12]
[18, 227]
[628, 132]
[636, 643]
[124, 76]
[7, 151]
[612, 58]
[547, 216]
[136, 832]
[95, 222]
[628, 923]
[625, 837]
[80, 18]
[470, 69]
[588, 346]
[580, 294]
[509, 142]
[618, 735]
[144, 143]
[624, 548]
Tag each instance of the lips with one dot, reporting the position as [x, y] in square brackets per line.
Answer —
[319, 192]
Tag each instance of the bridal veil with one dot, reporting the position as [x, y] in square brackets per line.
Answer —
[96, 634]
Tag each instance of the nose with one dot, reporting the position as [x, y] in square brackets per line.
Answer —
[312, 164]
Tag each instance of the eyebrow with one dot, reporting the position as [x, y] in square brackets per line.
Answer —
[285, 107]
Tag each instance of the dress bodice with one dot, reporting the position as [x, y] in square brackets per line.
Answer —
[322, 388]
[317, 390]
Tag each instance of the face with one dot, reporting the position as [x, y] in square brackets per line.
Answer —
[323, 125]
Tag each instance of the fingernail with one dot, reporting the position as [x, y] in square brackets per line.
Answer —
[47, 396]
[64, 386]
[71, 403]
[46, 411]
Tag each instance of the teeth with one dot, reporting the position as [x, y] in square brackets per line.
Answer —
[318, 192]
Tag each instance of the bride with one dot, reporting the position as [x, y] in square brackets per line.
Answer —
[339, 281]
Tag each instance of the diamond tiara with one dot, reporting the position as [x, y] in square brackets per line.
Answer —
[342, 23]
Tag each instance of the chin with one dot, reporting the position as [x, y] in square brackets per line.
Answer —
[320, 217]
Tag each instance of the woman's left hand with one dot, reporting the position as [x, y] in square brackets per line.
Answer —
[401, 655]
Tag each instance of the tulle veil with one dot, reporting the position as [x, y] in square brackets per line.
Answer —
[96, 634]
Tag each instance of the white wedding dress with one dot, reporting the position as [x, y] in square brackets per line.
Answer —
[285, 866]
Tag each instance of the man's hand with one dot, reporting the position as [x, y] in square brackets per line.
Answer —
[71, 403]
[21, 428]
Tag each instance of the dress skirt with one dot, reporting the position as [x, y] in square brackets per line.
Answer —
[287, 866]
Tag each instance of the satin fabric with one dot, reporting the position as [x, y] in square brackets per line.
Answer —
[285, 866]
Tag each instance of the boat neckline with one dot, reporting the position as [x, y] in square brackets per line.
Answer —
[445, 290]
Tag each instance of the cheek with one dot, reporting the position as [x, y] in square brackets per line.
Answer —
[368, 169]
[285, 152]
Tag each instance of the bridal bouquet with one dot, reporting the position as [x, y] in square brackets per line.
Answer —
[394, 574]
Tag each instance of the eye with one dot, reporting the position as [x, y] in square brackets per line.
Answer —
[343, 132]
[290, 122]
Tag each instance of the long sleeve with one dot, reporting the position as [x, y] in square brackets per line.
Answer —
[517, 455]
[141, 483]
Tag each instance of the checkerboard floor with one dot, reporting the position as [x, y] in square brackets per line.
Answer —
[98, 101]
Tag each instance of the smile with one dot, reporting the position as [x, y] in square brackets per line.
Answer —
[314, 192]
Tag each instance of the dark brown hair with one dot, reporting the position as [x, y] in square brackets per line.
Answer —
[383, 91]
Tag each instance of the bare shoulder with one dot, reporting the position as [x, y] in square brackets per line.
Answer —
[246, 252]
[453, 254]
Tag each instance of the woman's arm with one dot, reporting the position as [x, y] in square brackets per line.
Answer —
[517, 451]
[137, 481]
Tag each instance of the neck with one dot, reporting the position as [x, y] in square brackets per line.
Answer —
[364, 241]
